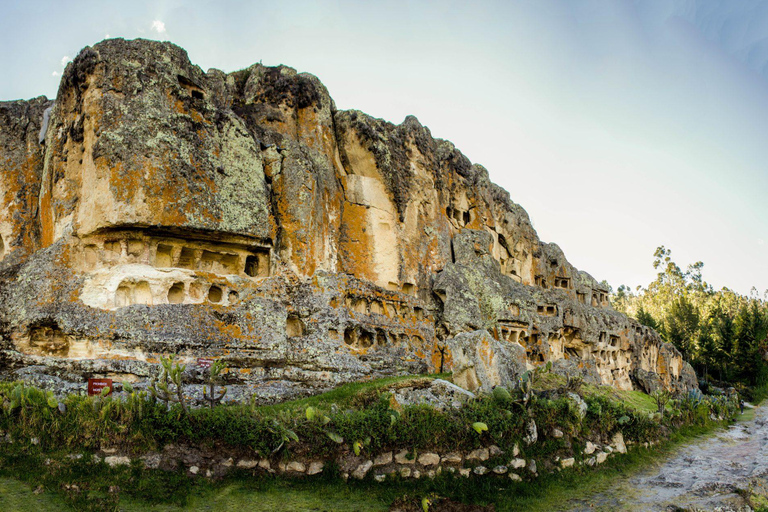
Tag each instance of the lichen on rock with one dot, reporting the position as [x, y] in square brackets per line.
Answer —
[242, 216]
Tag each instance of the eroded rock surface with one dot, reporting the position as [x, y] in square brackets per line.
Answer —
[242, 216]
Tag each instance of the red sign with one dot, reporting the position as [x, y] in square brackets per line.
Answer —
[204, 362]
[95, 386]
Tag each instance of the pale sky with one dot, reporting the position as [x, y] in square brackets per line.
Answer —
[618, 125]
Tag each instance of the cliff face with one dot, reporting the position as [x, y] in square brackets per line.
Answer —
[242, 216]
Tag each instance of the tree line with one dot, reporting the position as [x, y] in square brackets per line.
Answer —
[723, 334]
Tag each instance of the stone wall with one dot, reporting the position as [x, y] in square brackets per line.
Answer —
[242, 216]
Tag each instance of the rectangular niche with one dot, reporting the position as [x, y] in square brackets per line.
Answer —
[164, 256]
[187, 258]
[257, 264]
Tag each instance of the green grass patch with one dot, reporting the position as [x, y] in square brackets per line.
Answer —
[20, 497]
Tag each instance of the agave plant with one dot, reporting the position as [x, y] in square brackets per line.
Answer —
[168, 385]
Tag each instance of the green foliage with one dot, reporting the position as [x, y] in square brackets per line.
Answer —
[214, 378]
[724, 335]
[168, 385]
[136, 421]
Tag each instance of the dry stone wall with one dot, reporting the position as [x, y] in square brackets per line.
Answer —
[162, 209]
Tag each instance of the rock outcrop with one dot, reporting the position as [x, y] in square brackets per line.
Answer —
[242, 216]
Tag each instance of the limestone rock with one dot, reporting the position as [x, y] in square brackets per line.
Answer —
[383, 459]
[429, 459]
[617, 443]
[500, 470]
[480, 362]
[479, 454]
[315, 468]
[567, 463]
[403, 457]
[451, 458]
[362, 470]
[298, 467]
[117, 460]
[243, 216]
[517, 463]
[531, 432]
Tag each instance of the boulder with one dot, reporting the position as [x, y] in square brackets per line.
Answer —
[480, 362]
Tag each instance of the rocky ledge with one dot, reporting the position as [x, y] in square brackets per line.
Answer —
[154, 208]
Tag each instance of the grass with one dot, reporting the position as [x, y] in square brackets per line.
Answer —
[284, 496]
[637, 400]
[355, 410]
[350, 394]
[19, 497]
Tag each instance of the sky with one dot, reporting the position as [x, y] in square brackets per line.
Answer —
[618, 125]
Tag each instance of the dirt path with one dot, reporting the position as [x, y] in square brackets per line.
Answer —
[714, 473]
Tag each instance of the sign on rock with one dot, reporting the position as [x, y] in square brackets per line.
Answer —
[204, 362]
[96, 386]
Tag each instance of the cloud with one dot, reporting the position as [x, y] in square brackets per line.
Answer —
[64, 60]
[158, 26]
[55, 73]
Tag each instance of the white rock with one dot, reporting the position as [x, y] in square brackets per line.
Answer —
[264, 464]
[402, 458]
[500, 470]
[298, 467]
[590, 448]
[405, 472]
[480, 470]
[194, 469]
[362, 470]
[380, 478]
[532, 433]
[515, 451]
[532, 466]
[601, 457]
[479, 454]
[315, 468]
[429, 459]
[116, 460]
[557, 433]
[452, 458]
[383, 459]
[247, 464]
[228, 463]
[416, 474]
[517, 463]
[617, 442]
[567, 463]
[151, 460]
[465, 472]
[515, 477]
[494, 450]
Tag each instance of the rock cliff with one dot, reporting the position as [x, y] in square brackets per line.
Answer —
[154, 208]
